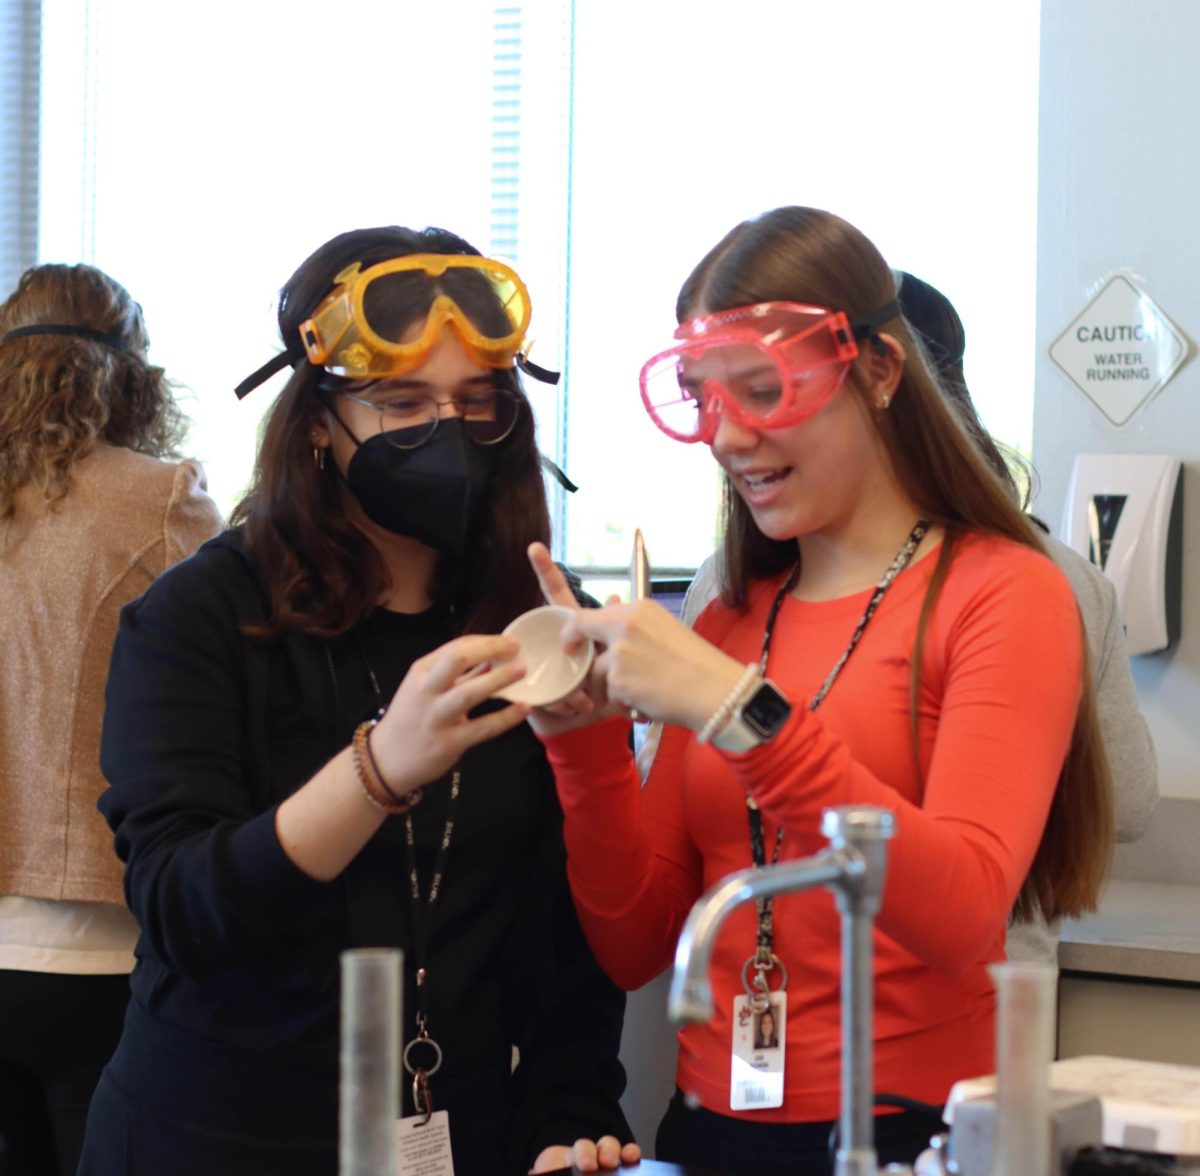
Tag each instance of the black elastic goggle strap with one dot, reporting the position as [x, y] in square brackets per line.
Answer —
[110, 341]
[555, 471]
[868, 325]
[263, 374]
[538, 373]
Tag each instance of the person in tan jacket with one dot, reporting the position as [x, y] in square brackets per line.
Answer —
[92, 509]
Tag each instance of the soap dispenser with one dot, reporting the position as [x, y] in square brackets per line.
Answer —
[1123, 513]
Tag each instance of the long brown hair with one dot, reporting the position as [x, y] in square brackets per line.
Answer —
[322, 574]
[62, 394]
[936, 325]
[807, 255]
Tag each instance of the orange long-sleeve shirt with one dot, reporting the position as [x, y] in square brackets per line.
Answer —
[1000, 685]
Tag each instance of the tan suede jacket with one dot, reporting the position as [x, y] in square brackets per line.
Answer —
[64, 575]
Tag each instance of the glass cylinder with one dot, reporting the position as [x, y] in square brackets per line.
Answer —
[369, 1079]
[1025, 1019]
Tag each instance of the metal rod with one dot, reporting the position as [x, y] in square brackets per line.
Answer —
[853, 868]
[690, 995]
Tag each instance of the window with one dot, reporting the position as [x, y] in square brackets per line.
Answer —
[199, 152]
[222, 142]
[19, 39]
[917, 122]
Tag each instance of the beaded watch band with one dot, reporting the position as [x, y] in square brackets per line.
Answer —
[721, 716]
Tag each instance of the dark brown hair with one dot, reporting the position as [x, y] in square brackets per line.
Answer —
[322, 574]
[60, 394]
[806, 255]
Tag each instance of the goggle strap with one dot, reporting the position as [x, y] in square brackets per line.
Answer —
[110, 341]
[555, 471]
[538, 373]
[869, 324]
[263, 374]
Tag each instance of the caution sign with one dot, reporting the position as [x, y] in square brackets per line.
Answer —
[1120, 350]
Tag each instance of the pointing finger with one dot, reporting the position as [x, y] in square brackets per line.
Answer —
[550, 576]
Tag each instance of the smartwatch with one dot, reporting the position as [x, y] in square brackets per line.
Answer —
[756, 719]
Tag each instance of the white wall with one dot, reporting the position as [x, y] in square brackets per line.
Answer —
[1119, 186]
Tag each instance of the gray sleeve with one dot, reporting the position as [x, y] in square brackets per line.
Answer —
[1126, 738]
[1035, 942]
[703, 588]
[1127, 742]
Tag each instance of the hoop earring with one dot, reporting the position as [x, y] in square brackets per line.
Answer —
[318, 457]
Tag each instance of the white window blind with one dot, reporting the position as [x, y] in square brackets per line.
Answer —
[200, 152]
[20, 56]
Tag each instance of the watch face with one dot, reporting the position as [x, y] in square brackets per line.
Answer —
[766, 710]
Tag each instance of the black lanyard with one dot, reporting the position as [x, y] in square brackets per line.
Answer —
[764, 958]
[422, 922]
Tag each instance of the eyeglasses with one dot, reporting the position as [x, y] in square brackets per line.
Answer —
[408, 419]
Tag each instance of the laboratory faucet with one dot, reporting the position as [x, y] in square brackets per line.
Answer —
[853, 868]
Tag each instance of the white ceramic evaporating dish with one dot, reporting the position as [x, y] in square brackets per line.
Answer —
[551, 673]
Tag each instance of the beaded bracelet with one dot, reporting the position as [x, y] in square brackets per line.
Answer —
[371, 779]
[719, 719]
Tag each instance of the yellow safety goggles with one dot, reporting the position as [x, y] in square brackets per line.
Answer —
[382, 320]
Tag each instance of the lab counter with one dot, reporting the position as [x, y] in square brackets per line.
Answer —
[1146, 930]
[1129, 975]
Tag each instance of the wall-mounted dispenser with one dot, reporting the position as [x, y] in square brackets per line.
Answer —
[1124, 513]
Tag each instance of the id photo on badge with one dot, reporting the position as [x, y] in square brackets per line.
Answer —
[766, 1030]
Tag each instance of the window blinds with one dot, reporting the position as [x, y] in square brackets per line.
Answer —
[20, 58]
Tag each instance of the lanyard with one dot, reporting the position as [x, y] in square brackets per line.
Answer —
[422, 921]
[764, 958]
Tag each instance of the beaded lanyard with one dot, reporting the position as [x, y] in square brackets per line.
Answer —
[422, 921]
[764, 958]
[422, 918]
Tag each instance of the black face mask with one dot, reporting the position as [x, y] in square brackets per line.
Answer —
[431, 493]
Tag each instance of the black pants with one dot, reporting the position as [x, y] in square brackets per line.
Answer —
[708, 1140]
[56, 1034]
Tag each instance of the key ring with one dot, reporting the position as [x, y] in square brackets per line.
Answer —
[759, 989]
[428, 1071]
[422, 1098]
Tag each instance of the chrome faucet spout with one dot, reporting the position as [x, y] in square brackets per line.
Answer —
[690, 996]
[853, 868]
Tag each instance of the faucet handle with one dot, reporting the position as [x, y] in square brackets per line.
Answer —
[862, 833]
[858, 824]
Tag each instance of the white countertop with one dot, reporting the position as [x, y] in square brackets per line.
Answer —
[1148, 930]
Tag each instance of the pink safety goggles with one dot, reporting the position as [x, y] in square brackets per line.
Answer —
[767, 366]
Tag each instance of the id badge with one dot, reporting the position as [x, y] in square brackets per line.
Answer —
[424, 1148]
[756, 1073]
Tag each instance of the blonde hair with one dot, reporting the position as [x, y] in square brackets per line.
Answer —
[61, 394]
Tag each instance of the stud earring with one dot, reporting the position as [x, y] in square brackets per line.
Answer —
[884, 401]
[318, 457]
